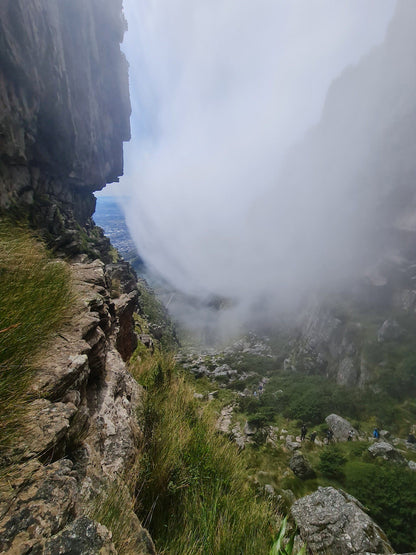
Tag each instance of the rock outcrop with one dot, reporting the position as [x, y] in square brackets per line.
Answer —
[82, 432]
[64, 114]
[81, 536]
[333, 522]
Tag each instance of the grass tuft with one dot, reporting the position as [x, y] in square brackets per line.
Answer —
[35, 293]
[114, 508]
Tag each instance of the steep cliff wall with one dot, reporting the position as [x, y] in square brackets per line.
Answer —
[64, 109]
[363, 153]
[358, 164]
[64, 114]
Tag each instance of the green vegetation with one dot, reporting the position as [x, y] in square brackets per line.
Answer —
[114, 508]
[311, 398]
[284, 545]
[331, 462]
[35, 293]
[303, 398]
[389, 492]
[247, 362]
[393, 362]
[195, 496]
[158, 322]
[386, 490]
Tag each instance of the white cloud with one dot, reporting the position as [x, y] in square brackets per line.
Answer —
[221, 89]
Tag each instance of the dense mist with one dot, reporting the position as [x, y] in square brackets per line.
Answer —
[258, 162]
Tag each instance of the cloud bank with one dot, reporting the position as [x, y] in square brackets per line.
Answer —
[221, 91]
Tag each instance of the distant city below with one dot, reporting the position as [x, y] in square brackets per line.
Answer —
[110, 216]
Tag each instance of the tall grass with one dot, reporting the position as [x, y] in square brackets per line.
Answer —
[194, 493]
[114, 508]
[35, 293]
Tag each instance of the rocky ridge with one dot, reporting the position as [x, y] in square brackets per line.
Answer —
[82, 433]
[64, 114]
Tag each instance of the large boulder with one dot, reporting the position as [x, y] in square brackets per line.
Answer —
[340, 427]
[333, 522]
[301, 467]
[387, 452]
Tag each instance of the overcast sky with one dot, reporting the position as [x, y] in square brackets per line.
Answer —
[220, 90]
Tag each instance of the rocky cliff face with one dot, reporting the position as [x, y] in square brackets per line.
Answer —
[81, 434]
[64, 110]
[64, 114]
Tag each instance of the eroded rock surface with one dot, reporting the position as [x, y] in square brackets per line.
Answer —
[225, 419]
[64, 114]
[84, 536]
[42, 502]
[81, 433]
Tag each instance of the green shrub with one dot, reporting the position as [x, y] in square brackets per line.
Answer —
[331, 462]
[246, 362]
[389, 493]
[249, 405]
[311, 398]
[304, 398]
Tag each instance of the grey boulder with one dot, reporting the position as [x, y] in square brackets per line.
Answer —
[333, 522]
[340, 427]
[301, 467]
[387, 452]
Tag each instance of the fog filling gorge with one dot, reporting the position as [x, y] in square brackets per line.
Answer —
[223, 92]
